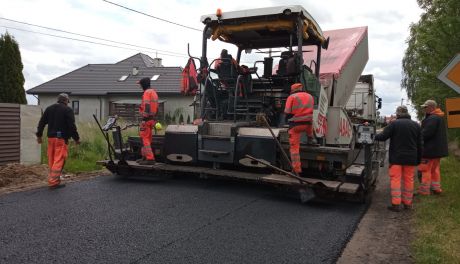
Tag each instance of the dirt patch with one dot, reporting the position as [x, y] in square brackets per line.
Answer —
[382, 236]
[16, 177]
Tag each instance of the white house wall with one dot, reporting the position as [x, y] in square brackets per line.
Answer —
[89, 105]
[99, 106]
[172, 103]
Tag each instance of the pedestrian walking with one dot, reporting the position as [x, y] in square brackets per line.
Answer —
[434, 148]
[299, 112]
[61, 127]
[404, 155]
[148, 111]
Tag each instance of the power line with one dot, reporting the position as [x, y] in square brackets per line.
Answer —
[87, 41]
[145, 14]
[87, 36]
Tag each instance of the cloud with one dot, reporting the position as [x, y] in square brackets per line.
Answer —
[388, 17]
[47, 57]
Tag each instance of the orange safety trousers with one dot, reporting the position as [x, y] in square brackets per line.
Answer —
[407, 174]
[431, 176]
[57, 153]
[146, 134]
[294, 144]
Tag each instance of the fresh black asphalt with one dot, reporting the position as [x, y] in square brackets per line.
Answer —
[106, 220]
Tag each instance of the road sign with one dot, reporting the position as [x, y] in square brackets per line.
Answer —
[453, 112]
[450, 75]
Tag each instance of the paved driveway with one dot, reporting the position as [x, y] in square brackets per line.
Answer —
[105, 220]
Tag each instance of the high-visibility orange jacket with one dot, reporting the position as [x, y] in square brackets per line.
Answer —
[189, 81]
[149, 105]
[300, 105]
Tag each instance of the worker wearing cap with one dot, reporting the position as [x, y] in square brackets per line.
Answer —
[404, 155]
[434, 148]
[61, 126]
[299, 111]
[148, 111]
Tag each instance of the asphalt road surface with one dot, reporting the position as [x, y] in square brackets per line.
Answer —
[106, 220]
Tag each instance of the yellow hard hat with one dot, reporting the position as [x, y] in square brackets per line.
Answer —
[158, 126]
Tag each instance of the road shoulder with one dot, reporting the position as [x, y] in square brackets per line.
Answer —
[17, 177]
[382, 236]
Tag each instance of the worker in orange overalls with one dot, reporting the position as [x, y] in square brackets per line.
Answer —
[434, 148]
[404, 155]
[148, 111]
[299, 111]
[61, 126]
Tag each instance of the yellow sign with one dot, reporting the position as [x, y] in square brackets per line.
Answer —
[450, 75]
[453, 112]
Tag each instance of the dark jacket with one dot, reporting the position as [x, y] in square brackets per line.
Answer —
[434, 135]
[405, 141]
[59, 118]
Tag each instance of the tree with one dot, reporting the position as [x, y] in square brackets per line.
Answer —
[432, 43]
[181, 119]
[11, 77]
[188, 119]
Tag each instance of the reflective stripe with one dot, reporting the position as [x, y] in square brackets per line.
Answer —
[301, 118]
[300, 104]
[150, 101]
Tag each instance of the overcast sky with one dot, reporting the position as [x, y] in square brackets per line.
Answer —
[46, 57]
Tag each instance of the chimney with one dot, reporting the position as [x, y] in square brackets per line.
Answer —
[135, 71]
[157, 62]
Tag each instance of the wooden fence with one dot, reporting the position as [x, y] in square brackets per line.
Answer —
[10, 133]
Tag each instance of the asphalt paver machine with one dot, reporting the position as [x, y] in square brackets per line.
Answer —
[241, 133]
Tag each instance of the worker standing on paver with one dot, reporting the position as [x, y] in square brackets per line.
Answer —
[404, 155]
[61, 126]
[434, 148]
[148, 111]
[299, 111]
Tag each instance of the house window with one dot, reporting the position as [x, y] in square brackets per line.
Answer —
[76, 107]
[155, 77]
[123, 78]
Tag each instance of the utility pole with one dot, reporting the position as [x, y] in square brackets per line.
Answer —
[402, 101]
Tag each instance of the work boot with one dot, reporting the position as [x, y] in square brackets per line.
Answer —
[58, 186]
[147, 162]
[395, 208]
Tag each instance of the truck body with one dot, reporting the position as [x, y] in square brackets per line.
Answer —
[361, 104]
[230, 141]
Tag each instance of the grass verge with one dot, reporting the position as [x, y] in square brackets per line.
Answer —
[93, 147]
[437, 219]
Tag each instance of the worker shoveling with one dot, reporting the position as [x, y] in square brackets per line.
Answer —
[250, 116]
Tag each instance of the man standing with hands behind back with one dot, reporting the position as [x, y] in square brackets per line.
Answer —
[61, 126]
[434, 148]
